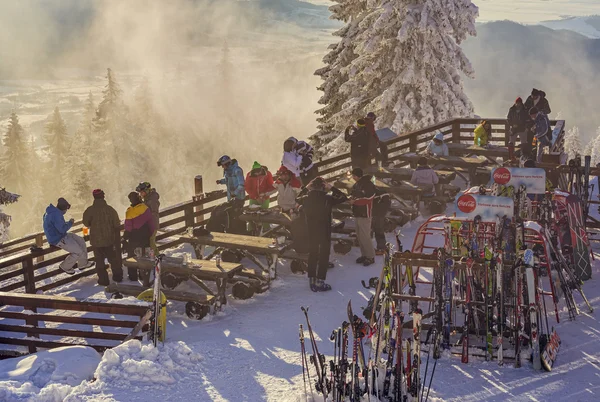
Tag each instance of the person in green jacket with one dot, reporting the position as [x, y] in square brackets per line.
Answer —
[483, 134]
[104, 224]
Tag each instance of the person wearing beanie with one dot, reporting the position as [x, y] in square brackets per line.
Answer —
[151, 198]
[259, 186]
[56, 231]
[139, 227]
[437, 146]
[541, 129]
[538, 99]
[518, 120]
[359, 138]
[105, 237]
[317, 204]
[291, 159]
[425, 177]
[376, 147]
[483, 133]
[361, 198]
[288, 187]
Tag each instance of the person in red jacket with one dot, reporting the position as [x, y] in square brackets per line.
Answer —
[259, 184]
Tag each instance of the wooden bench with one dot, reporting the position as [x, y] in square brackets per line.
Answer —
[197, 305]
[197, 271]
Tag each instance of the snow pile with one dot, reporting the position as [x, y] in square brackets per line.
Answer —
[47, 375]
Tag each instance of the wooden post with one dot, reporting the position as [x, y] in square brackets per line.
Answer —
[188, 214]
[412, 143]
[456, 132]
[39, 242]
[198, 194]
[29, 277]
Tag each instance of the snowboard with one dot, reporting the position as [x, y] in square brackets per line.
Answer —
[579, 240]
[550, 351]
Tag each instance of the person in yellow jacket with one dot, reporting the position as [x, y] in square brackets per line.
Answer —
[483, 133]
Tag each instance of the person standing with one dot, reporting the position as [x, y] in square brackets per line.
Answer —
[233, 178]
[291, 158]
[288, 187]
[139, 227]
[55, 229]
[376, 147]
[317, 205]
[538, 100]
[359, 139]
[361, 198]
[259, 185]
[542, 130]
[104, 224]
[517, 120]
[151, 198]
[308, 170]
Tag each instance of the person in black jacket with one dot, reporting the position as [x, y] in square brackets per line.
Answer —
[361, 197]
[316, 204]
[359, 139]
[538, 99]
[518, 120]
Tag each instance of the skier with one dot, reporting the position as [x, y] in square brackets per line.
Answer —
[361, 198]
[542, 130]
[233, 179]
[139, 227]
[259, 185]
[288, 187]
[359, 139]
[483, 132]
[376, 147]
[517, 120]
[437, 146]
[317, 205]
[291, 159]
[105, 236]
[425, 177]
[151, 199]
[55, 229]
[308, 170]
[538, 99]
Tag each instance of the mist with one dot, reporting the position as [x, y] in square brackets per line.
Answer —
[223, 77]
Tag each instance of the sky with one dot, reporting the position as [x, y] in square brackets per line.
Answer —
[526, 11]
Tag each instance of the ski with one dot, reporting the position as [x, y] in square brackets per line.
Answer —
[317, 359]
[532, 308]
[415, 380]
[157, 305]
[468, 315]
[500, 306]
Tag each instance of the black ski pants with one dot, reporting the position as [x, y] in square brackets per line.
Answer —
[319, 248]
[112, 254]
[378, 225]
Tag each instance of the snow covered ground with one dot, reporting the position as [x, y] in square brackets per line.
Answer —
[250, 351]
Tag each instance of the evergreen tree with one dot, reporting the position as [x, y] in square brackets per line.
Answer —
[335, 73]
[593, 149]
[573, 142]
[58, 145]
[14, 166]
[409, 64]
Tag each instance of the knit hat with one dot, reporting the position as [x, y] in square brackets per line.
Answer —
[256, 165]
[283, 170]
[358, 172]
[535, 92]
[134, 198]
[533, 110]
[98, 194]
[519, 100]
[360, 122]
[371, 115]
[62, 204]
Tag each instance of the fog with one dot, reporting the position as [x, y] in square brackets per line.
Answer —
[224, 78]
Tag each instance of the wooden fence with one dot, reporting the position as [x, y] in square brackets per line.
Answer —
[21, 270]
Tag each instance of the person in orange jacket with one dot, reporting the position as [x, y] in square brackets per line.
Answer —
[259, 185]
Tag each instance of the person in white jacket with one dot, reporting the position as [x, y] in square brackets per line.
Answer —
[425, 177]
[437, 147]
[291, 158]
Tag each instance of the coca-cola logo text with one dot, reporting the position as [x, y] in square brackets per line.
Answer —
[502, 175]
[466, 203]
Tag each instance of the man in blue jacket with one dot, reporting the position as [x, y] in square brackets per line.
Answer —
[542, 130]
[233, 178]
[55, 229]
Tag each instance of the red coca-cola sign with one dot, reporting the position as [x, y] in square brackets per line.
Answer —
[466, 203]
[501, 175]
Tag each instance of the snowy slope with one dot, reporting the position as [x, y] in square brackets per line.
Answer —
[586, 26]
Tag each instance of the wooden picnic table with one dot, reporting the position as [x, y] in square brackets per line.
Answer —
[402, 189]
[405, 174]
[468, 150]
[452, 162]
[247, 245]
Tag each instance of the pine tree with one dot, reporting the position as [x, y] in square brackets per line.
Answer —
[593, 149]
[14, 166]
[58, 144]
[409, 64]
[573, 142]
[335, 73]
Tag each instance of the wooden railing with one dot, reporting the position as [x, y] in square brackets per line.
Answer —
[59, 322]
[20, 270]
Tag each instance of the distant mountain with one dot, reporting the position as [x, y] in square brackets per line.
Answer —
[510, 59]
[298, 12]
[586, 26]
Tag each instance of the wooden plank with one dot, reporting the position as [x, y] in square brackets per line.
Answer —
[134, 290]
[194, 267]
[41, 343]
[62, 332]
[11, 274]
[70, 278]
[260, 245]
[107, 322]
[272, 218]
[138, 327]
[68, 303]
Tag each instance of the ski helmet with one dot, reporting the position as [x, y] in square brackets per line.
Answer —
[143, 186]
[223, 160]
